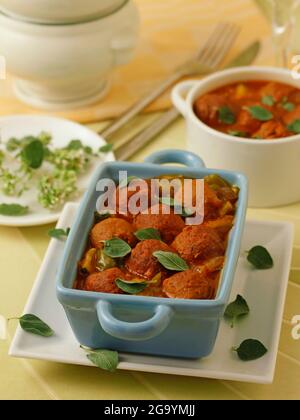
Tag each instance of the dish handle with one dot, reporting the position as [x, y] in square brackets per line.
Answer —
[179, 93]
[176, 156]
[133, 331]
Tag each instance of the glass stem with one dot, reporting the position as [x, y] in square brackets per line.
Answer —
[283, 23]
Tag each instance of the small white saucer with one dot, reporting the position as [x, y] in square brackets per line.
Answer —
[265, 292]
[63, 131]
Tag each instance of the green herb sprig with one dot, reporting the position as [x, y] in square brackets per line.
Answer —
[260, 258]
[250, 350]
[59, 234]
[116, 248]
[237, 309]
[103, 359]
[171, 261]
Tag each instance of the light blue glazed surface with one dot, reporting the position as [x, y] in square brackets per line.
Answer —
[158, 326]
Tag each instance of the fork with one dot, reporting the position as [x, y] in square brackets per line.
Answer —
[211, 56]
[207, 59]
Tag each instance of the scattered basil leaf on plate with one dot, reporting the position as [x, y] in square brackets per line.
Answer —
[268, 100]
[131, 287]
[116, 248]
[288, 106]
[260, 258]
[171, 261]
[13, 210]
[251, 350]
[32, 154]
[226, 115]
[104, 359]
[150, 233]
[260, 113]
[59, 233]
[294, 127]
[107, 148]
[237, 133]
[34, 325]
[236, 309]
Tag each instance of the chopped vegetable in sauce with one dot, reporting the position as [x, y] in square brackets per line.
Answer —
[253, 109]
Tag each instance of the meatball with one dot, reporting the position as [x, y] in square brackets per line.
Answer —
[198, 243]
[112, 228]
[169, 225]
[207, 107]
[142, 263]
[188, 285]
[104, 282]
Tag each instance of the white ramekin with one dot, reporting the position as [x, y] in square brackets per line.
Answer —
[272, 166]
[58, 11]
[66, 66]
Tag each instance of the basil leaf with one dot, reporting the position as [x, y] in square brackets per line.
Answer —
[107, 148]
[150, 233]
[59, 233]
[171, 261]
[288, 106]
[294, 127]
[260, 113]
[104, 359]
[260, 258]
[236, 309]
[226, 115]
[237, 133]
[116, 248]
[251, 350]
[268, 100]
[13, 210]
[132, 288]
[34, 325]
[33, 154]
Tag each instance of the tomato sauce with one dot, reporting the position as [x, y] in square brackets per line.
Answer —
[199, 250]
[260, 110]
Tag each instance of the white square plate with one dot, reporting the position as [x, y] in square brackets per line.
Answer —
[265, 292]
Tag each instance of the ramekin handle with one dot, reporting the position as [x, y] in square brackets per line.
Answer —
[179, 93]
[133, 331]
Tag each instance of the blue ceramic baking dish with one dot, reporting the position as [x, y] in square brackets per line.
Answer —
[149, 325]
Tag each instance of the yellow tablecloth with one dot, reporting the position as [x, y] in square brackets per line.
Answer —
[21, 253]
